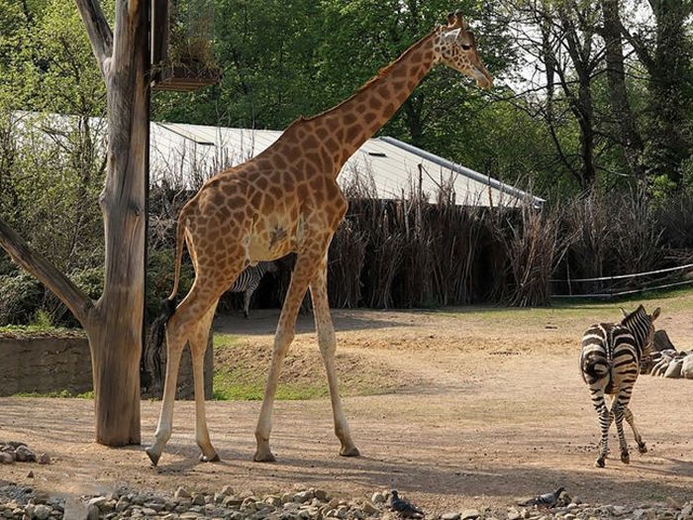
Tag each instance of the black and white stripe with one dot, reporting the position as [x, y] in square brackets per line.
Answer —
[249, 280]
[610, 361]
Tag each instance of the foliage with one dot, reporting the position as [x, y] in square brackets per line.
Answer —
[20, 296]
[282, 60]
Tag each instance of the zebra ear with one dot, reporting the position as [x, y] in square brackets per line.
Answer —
[655, 313]
[624, 312]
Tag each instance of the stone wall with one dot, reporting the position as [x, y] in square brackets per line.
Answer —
[49, 365]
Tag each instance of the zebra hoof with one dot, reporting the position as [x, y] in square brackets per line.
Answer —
[625, 458]
[600, 462]
[642, 448]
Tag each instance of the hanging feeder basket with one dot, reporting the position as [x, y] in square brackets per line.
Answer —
[182, 36]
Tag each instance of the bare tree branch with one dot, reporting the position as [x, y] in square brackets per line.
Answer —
[76, 300]
[100, 34]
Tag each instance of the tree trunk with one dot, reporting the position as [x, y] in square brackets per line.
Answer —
[116, 343]
[630, 140]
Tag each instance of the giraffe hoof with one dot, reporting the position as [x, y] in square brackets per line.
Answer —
[353, 451]
[264, 457]
[153, 456]
[213, 458]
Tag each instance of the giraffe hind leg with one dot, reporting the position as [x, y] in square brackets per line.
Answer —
[198, 348]
[181, 326]
[174, 348]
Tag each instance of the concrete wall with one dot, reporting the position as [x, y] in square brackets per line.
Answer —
[48, 365]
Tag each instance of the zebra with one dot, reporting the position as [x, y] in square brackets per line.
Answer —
[610, 361]
[249, 280]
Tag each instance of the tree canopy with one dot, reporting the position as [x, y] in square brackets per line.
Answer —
[588, 94]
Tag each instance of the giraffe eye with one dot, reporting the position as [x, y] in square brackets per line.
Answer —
[466, 47]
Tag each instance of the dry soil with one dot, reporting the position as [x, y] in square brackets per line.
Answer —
[487, 408]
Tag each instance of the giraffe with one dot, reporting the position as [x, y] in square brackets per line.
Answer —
[286, 199]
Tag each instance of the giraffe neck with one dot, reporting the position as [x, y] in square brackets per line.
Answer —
[355, 120]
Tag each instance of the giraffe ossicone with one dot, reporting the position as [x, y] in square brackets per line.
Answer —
[285, 200]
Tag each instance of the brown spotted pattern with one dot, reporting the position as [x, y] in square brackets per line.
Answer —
[287, 200]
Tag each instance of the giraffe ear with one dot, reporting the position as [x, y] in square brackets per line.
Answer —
[460, 21]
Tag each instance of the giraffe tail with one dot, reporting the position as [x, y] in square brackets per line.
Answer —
[153, 365]
[152, 354]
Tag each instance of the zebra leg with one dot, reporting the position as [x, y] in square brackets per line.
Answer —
[618, 410]
[604, 417]
[246, 301]
[642, 447]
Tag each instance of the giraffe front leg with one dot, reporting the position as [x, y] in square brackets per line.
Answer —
[328, 344]
[282, 341]
[174, 346]
[198, 347]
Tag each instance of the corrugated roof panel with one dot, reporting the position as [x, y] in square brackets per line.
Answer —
[383, 164]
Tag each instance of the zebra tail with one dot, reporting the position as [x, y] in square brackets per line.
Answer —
[594, 367]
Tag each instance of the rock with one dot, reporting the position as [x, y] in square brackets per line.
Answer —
[6, 458]
[378, 498]
[181, 492]
[303, 497]
[687, 367]
[450, 516]
[671, 502]
[513, 514]
[227, 490]
[469, 514]
[661, 341]
[42, 512]
[44, 459]
[673, 371]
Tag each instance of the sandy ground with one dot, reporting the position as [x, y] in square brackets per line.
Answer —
[491, 409]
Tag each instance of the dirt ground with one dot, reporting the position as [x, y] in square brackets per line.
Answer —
[489, 409]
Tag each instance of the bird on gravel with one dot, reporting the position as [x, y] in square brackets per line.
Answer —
[404, 508]
[547, 500]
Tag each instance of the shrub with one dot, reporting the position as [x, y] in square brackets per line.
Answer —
[20, 297]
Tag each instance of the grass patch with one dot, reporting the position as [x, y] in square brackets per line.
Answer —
[38, 329]
[672, 299]
[241, 366]
[240, 373]
[64, 394]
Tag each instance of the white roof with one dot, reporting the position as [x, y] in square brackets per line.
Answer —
[388, 168]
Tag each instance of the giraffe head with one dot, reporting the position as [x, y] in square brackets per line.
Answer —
[457, 49]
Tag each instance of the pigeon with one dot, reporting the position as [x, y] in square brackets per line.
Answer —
[404, 508]
[547, 500]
